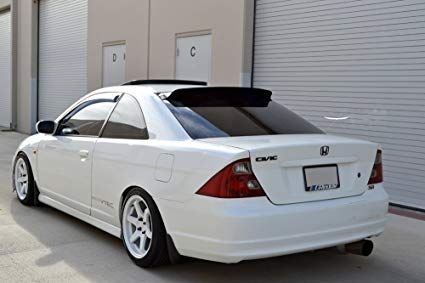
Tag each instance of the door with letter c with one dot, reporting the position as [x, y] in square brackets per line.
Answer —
[193, 58]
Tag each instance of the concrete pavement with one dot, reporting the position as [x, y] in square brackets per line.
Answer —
[44, 245]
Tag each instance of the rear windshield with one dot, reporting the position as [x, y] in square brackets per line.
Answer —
[270, 118]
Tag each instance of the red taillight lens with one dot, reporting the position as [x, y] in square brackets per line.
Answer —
[235, 181]
[377, 172]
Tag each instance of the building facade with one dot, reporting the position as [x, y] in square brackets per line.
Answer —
[353, 68]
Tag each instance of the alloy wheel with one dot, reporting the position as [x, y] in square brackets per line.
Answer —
[21, 179]
[137, 226]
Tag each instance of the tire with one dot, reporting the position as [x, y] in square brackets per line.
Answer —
[23, 181]
[142, 230]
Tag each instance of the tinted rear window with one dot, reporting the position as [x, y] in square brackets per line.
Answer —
[269, 118]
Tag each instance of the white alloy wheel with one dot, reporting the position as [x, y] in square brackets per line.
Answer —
[137, 227]
[21, 179]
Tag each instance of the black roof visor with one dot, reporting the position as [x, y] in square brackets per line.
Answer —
[220, 97]
[165, 82]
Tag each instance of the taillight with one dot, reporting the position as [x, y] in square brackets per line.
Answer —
[377, 171]
[235, 181]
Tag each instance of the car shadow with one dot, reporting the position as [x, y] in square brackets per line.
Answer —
[99, 256]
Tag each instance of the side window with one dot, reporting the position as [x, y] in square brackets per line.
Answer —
[88, 118]
[126, 121]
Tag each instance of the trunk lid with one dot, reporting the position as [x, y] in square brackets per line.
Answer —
[285, 164]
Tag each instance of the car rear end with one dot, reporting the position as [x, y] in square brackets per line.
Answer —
[298, 189]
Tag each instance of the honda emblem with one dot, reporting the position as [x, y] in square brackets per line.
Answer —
[324, 150]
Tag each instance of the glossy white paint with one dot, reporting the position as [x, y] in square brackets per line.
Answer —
[69, 181]
[172, 167]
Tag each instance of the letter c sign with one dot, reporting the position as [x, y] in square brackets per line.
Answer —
[193, 51]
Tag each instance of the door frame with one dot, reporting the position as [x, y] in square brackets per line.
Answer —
[108, 44]
[191, 34]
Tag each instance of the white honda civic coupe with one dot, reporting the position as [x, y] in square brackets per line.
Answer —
[176, 169]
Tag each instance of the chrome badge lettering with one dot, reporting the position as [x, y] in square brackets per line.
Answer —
[266, 159]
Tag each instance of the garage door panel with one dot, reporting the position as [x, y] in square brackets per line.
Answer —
[341, 39]
[415, 49]
[5, 69]
[377, 18]
[380, 29]
[286, 7]
[363, 9]
[62, 55]
[359, 59]
[271, 82]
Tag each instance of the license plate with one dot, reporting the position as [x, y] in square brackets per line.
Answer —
[321, 178]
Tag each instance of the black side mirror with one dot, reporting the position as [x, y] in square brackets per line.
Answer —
[46, 127]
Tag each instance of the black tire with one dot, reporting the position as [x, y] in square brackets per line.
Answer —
[31, 198]
[158, 253]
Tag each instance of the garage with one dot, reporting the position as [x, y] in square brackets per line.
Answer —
[353, 68]
[5, 69]
[62, 55]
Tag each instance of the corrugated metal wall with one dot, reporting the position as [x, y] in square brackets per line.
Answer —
[362, 61]
[62, 55]
[5, 69]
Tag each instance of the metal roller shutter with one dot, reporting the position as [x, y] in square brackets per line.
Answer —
[5, 69]
[62, 55]
[360, 61]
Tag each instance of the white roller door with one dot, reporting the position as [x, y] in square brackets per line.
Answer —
[62, 55]
[5, 69]
[353, 68]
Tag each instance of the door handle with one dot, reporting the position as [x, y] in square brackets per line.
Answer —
[84, 154]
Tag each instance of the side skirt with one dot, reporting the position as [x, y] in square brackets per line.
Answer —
[115, 231]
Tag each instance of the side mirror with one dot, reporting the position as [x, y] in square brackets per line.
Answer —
[46, 127]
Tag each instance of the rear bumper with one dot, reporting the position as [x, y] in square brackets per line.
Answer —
[231, 231]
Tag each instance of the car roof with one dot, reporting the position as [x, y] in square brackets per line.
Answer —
[155, 89]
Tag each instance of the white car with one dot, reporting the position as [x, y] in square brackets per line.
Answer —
[176, 168]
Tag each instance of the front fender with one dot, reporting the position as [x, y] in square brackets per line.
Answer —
[30, 147]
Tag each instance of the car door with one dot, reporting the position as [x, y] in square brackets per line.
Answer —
[65, 159]
[121, 158]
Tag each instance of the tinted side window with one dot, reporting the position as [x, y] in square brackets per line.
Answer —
[126, 121]
[87, 119]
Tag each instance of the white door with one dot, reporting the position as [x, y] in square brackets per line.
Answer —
[62, 55]
[193, 58]
[5, 70]
[114, 65]
[65, 159]
[353, 68]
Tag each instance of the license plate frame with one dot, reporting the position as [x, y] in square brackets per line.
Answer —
[313, 176]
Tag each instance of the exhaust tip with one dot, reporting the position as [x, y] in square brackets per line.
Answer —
[363, 248]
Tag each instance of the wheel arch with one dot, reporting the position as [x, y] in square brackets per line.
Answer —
[124, 196]
[31, 171]
[172, 251]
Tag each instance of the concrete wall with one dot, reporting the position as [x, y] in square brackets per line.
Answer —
[110, 21]
[27, 13]
[223, 18]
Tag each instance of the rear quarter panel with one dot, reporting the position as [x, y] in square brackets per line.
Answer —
[119, 165]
